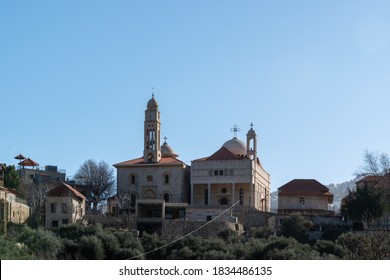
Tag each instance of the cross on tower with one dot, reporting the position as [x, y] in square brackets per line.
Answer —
[251, 125]
[165, 139]
[235, 129]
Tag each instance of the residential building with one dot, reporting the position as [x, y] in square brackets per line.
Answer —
[63, 205]
[13, 208]
[305, 197]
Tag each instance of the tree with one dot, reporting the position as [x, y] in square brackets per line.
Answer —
[296, 227]
[97, 179]
[364, 204]
[374, 164]
[11, 177]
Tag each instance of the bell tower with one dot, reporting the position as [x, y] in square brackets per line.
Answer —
[152, 147]
[251, 144]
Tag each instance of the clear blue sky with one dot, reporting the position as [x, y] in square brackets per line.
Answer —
[312, 76]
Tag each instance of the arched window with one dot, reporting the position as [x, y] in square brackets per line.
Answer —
[133, 179]
[166, 197]
[224, 201]
[166, 179]
[241, 197]
[64, 208]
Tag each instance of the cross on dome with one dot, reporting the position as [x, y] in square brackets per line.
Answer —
[235, 129]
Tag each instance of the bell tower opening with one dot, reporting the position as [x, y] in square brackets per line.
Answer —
[251, 143]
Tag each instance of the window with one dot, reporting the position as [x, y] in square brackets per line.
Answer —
[133, 179]
[166, 179]
[149, 178]
[226, 172]
[220, 172]
[206, 197]
[231, 172]
[224, 201]
[210, 172]
[223, 190]
[54, 223]
[301, 200]
[132, 200]
[166, 197]
[64, 208]
[215, 172]
[65, 221]
[241, 197]
[53, 208]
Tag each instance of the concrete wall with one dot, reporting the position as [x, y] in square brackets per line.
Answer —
[310, 202]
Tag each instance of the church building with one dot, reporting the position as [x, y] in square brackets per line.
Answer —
[154, 186]
[231, 184]
[231, 177]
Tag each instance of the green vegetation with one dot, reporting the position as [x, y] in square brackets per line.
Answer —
[78, 242]
[365, 204]
[11, 177]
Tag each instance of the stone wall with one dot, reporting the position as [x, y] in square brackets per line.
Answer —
[176, 228]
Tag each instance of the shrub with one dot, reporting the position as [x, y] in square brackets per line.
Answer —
[260, 232]
[10, 250]
[296, 227]
[325, 247]
[91, 248]
[372, 245]
[110, 244]
[42, 243]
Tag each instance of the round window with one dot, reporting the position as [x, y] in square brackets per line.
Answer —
[223, 190]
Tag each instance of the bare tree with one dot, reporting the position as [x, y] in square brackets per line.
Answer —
[374, 163]
[97, 180]
[35, 196]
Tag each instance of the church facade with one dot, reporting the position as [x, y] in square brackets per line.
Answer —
[158, 186]
[154, 186]
[232, 177]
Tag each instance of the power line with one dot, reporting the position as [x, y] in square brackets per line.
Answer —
[188, 234]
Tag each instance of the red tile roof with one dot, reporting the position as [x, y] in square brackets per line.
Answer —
[304, 187]
[64, 190]
[370, 179]
[28, 162]
[375, 181]
[221, 154]
[138, 161]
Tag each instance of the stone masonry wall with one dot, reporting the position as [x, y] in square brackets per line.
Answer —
[175, 228]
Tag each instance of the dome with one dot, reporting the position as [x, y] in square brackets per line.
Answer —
[152, 103]
[167, 151]
[235, 146]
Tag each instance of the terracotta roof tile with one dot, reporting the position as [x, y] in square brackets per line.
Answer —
[163, 161]
[64, 190]
[221, 154]
[304, 187]
[28, 162]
